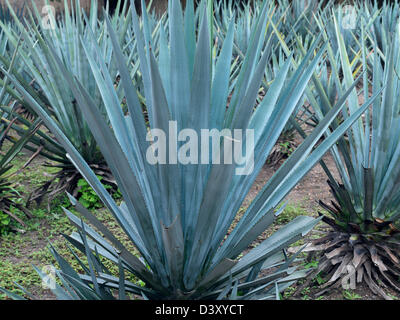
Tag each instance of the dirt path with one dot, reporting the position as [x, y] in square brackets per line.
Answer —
[312, 188]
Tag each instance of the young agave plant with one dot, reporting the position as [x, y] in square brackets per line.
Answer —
[299, 17]
[349, 19]
[243, 15]
[365, 214]
[383, 19]
[70, 39]
[178, 215]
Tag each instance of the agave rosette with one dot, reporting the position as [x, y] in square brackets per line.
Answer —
[70, 37]
[365, 213]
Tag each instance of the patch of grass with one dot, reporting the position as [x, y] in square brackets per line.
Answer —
[319, 279]
[392, 296]
[89, 198]
[286, 148]
[289, 292]
[20, 251]
[306, 291]
[350, 295]
[289, 213]
[33, 176]
[19, 272]
[5, 222]
[312, 264]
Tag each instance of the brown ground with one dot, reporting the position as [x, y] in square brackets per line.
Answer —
[312, 188]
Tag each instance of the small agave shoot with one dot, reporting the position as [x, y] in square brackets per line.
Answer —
[364, 243]
[178, 215]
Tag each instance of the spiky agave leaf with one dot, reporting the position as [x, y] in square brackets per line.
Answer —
[177, 215]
